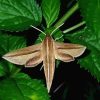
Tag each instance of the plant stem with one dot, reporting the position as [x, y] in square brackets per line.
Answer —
[74, 27]
[67, 15]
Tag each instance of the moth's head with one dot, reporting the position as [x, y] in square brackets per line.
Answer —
[49, 32]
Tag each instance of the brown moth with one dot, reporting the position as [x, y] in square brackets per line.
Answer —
[47, 51]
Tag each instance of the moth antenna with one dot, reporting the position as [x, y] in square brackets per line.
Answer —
[59, 38]
[41, 68]
[58, 87]
[56, 28]
[38, 29]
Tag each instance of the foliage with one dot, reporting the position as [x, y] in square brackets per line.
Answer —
[91, 61]
[19, 15]
[50, 10]
[89, 36]
[90, 10]
[19, 85]
[22, 87]
[9, 43]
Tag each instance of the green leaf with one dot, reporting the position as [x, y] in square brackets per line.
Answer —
[10, 42]
[90, 10]
[18, 15]
[5, 68]
[7, 44]
[21, 87]
[8, 69]
[40, 38]
[50, 10]
[2, 70]
[91, 61]
[89, 36]
[58, 36]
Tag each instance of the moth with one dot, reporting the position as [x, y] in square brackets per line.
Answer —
[45, 52]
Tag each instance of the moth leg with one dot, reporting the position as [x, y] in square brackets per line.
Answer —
[41, 68]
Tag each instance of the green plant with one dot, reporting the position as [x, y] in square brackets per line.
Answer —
[20, 15]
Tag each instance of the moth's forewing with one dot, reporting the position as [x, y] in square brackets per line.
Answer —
[48, 60]
[22, 56]
[74, 50]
